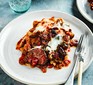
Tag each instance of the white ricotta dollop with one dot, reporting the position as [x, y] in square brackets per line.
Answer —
[52, 45]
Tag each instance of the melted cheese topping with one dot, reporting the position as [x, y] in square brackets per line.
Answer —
[52, 45]
[39, 28]
[57, 25]
[66, 26]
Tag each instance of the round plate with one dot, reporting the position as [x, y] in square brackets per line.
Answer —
[9, 56]
[85, 10]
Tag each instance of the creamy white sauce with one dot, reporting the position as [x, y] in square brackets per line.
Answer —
[52, 45]
[57, 25]
[34, 48]
[39, 28]
[37, 47]
[66, 26]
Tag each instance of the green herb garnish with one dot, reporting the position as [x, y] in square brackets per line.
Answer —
[57, 37]
[49, 46]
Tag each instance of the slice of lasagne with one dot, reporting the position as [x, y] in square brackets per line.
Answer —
[46, 44]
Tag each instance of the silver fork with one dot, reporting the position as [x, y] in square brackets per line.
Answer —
[70, 79]
[80, 55]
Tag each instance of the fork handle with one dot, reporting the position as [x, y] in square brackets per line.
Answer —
[80, 73]
[70, 79]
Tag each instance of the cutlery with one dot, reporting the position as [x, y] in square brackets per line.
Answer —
[70, 79]
[80, 55]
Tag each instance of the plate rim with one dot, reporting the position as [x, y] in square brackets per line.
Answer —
[25, 14]
[85, 15]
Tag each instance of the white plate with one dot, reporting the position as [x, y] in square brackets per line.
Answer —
[85, 10]
[9, 55]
